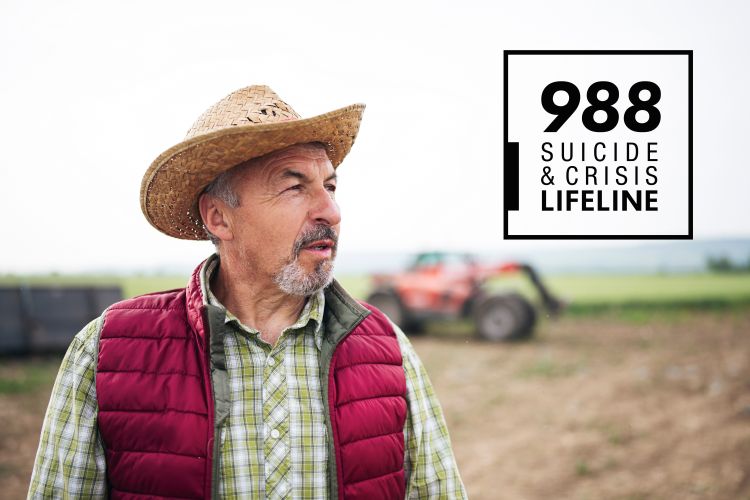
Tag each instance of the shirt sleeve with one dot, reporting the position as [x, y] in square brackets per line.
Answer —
[70, 460]
[431, 470]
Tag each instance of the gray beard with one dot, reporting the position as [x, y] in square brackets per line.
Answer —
[294, 280]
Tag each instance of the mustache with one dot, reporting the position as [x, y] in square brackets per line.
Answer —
[319, 232]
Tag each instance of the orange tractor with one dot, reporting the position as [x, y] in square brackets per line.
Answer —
[443, 286]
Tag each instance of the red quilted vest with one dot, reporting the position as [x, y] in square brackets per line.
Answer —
[156, 407]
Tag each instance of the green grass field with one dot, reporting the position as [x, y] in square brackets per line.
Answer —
[591, 292]
[584, 292]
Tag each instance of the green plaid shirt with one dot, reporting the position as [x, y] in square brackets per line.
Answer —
[272, 445]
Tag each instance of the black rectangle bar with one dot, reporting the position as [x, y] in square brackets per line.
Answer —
[510, 180]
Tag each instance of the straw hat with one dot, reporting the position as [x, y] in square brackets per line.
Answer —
[247, 123]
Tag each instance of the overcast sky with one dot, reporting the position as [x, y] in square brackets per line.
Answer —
[92, 92]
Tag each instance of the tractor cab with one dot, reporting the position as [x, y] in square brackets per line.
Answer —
[429, 260]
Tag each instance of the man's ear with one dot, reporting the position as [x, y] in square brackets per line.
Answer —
[214, 213]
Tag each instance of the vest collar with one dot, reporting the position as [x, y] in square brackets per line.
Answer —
[196, 304]
[342, 313]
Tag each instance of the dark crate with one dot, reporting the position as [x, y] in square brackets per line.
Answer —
[42, 319]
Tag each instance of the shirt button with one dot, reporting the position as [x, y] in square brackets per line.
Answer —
[275, 434]
[271, 361]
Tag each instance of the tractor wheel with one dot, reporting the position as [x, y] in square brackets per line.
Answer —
[504, 317]
[389, 302]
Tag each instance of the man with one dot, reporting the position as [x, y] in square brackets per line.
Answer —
[262, 378]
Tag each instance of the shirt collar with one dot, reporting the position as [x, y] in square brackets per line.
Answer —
[313, 309]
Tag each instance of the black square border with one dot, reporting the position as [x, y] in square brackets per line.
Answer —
[689, 235]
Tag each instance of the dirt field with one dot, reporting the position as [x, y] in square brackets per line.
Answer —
[592, 408]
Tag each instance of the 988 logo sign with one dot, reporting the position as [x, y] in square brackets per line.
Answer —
[598, 145]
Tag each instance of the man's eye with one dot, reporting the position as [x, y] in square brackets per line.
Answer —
[296, 187]
[331, 188]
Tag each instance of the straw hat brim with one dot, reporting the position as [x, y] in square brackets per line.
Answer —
[171, 185]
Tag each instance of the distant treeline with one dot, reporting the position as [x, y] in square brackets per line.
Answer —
[723, 264]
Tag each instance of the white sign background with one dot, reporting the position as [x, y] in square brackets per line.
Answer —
[529, 74]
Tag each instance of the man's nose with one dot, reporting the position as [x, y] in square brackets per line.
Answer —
[325, 210]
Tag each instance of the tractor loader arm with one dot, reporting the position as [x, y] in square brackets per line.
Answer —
[552, 304]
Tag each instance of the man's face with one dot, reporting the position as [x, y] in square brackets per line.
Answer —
[287, 224]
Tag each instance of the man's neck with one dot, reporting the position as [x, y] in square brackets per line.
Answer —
[255, 300]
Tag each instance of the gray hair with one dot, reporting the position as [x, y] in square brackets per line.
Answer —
[222, 188]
